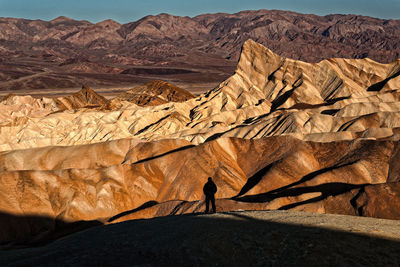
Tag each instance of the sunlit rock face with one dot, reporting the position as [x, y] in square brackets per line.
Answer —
[335, 99]
[278, 134]
[151, 94]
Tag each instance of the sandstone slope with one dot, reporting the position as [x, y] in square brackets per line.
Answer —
[152, 94]
[268, 95]
[99, 182]
[278, 134]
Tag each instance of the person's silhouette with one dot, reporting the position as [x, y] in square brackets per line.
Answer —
[209, 190]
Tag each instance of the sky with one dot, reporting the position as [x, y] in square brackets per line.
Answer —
[125, 11]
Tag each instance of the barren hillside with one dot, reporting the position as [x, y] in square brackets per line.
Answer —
[278, 134]
[64, 53]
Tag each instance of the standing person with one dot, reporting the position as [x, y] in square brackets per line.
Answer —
[209, 190]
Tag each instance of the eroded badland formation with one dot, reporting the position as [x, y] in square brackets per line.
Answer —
[279, 134]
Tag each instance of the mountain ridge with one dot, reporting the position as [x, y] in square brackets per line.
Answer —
[209, 44]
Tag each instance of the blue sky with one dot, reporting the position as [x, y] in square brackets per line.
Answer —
[130, 10]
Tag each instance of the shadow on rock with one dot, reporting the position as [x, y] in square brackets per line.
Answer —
[227, 239]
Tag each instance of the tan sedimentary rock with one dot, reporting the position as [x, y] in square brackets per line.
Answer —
[92, 156]
[268, 173]
[379, 201]
[278, 134]
[151, 94]
[18, 109]
[268, 95]
[84, 98]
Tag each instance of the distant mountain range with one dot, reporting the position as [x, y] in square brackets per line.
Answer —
[66, 53]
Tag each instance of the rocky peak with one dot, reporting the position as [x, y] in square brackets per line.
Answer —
[90, 96]
[66, 21]
[109, 24]
[153, 93]
[60, 19]
[255, 57]
[86, 97]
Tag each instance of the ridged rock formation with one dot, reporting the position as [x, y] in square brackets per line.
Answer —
[278, 134]
[84, 98]
[152, 94]
[17, 109]
[101, 181]
[268, 95]
[18, 112]
[379, 201]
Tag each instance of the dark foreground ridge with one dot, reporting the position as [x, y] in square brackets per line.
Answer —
[251, 238]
